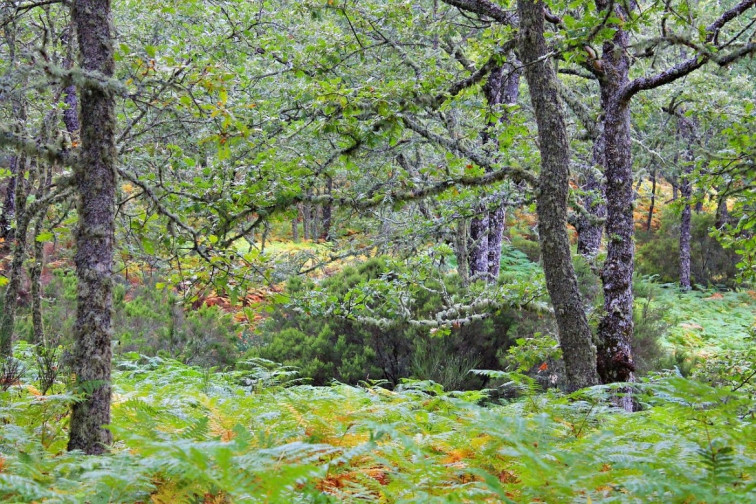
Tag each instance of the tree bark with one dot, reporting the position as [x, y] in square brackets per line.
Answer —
[615, 356]
[723, 215]
[96, 186]
[653, 201]
[479, 244]
[686, 193]
[502, 88]
[487, 230]
[687, 131]
[325, 232]
[574, 333]
[10, 300]
[590, 229]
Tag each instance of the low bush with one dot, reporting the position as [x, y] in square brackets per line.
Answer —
[710, 264]
[331, 346]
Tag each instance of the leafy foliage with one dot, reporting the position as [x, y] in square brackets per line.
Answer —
[183, 435]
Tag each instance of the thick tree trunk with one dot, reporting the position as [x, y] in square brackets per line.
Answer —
[479, 244]
[615, 356]
[96, 184]
[574, 333]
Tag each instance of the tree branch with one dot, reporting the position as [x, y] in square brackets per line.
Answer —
[684, 68]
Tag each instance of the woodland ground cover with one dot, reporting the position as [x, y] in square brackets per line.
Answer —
[258, 433]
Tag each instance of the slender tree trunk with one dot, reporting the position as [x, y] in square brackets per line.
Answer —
[295, 228]
[487, 230]
[307, 218]
[591, 229]
[653, 201]
[687, 132]
[10, 300]
[325, 232]
[502, 87]
[461, 251]
[9, 205]
[574, 333]
[723, 215]
[496, 221]
[615, 356]
[35, 275]
[686, 193]
[96, 185]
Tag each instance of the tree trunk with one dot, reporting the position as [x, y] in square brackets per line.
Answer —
[325, 232]
[295, 228]
[96, 185]
[487, 230]
[502, 87]
[723, 215]
[461, 251]
[9, 205]
[687, 131]
[591, 229]
[35, 274]
[479, 244]
[496, 221]
[685, 192]
[653, 201]
[615, 356]
[8, 316]
[574, 333]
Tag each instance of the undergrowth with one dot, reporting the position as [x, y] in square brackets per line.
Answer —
[256, 434]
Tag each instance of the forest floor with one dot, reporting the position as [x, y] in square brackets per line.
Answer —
[257, 434]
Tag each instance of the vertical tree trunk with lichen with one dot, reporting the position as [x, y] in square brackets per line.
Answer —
[589, 227]
[687, 133]
[96, 185]
[615, 356]
[574, 333]
[487, 229]
[10, 301]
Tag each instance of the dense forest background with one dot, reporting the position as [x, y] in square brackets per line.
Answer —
[377, 251]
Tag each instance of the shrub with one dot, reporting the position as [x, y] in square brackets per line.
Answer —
[145, 320]
[329, 346]
[710, 264]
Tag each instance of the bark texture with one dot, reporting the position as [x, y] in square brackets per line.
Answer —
[615, 356]
[686, 128]
[589, 227]
[96, 183]
[487, 229]
[574, 333]
[10, 300]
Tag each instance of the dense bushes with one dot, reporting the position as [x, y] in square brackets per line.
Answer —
[710, 264]
[327, 346]
[148, 321]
